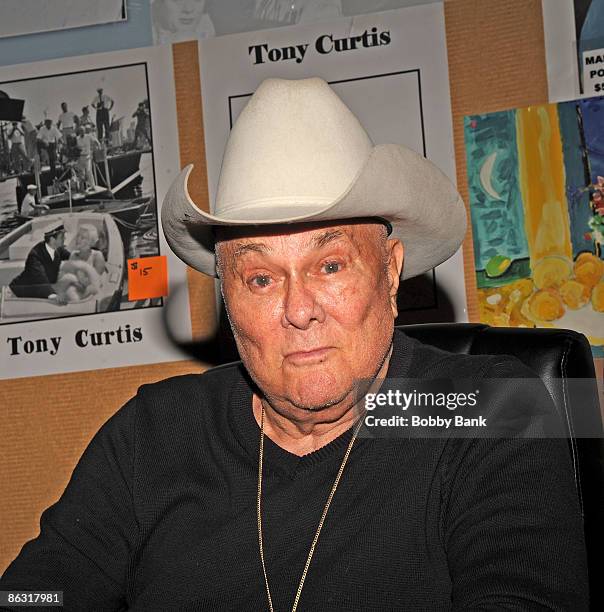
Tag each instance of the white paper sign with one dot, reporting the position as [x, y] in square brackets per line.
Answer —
[96, 323]
[389, 68]
[574, 40]
[593, 72]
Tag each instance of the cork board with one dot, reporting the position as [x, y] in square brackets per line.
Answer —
[496, 61]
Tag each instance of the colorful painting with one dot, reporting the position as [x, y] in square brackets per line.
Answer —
[536, 183]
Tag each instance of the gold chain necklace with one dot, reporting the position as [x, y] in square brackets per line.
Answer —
[327, 504]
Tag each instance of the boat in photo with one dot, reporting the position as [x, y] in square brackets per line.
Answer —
[130, 215]
[117, 175]
[61, 199]
[127, 213]
[16, 245]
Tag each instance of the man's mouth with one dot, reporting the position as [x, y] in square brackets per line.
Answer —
[308, 357]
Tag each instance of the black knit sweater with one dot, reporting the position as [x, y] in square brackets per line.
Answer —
[160, 513]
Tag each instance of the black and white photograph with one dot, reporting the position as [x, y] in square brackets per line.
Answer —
[18, 17]
[180, 20]
[77, 192]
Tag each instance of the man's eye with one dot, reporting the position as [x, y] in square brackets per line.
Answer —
[331, 267]
[262, 280]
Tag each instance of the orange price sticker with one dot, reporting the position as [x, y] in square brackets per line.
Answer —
[147, 277]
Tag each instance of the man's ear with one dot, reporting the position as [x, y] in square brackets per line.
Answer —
[395, 266]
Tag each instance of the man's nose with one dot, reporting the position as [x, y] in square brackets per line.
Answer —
[301, 307]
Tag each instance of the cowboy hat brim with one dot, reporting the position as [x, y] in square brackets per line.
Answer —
[422, 205]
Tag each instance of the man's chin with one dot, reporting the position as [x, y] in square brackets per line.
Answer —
[315, 398]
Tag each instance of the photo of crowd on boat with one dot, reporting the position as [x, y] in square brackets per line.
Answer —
[77, 192]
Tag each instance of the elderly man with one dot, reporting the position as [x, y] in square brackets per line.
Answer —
[253, 486]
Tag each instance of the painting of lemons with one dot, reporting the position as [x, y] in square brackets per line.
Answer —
[536, 183]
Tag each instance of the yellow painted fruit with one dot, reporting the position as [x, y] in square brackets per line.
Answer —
[575, 294]
[597, 297]
[524, 285]
[551, 272]
[588, 269]
[586, 256]
[491, 304]
[546, 305]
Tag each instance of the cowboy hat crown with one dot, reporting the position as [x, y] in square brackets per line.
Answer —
[298, 154]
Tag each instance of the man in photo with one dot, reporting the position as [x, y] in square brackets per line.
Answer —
[142, 135]
[20, 162]
[85, 120]
[103, 104]
[87, 144]
[29, 206]
[49, 139]
[30, 136]
[67, 122]
[42, 266]
[250, 487]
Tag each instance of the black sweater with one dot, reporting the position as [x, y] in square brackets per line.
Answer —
[160, 513]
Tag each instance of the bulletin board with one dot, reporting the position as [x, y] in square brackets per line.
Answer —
[496, 61]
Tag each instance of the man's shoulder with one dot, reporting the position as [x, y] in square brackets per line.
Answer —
[210, 386]
[172, 408]
[38, 250]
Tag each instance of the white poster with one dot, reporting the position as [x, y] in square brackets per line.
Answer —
[574, 48]
[389, 68]
[88, 148]
[19, 17]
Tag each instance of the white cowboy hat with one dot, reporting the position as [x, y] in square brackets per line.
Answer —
[298, 154]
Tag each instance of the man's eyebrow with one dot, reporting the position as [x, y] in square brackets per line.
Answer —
[326, 237]
[246, 247]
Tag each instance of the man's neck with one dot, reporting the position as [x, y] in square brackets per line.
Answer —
[304, 438]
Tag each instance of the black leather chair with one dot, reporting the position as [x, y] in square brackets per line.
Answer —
[555, 355]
